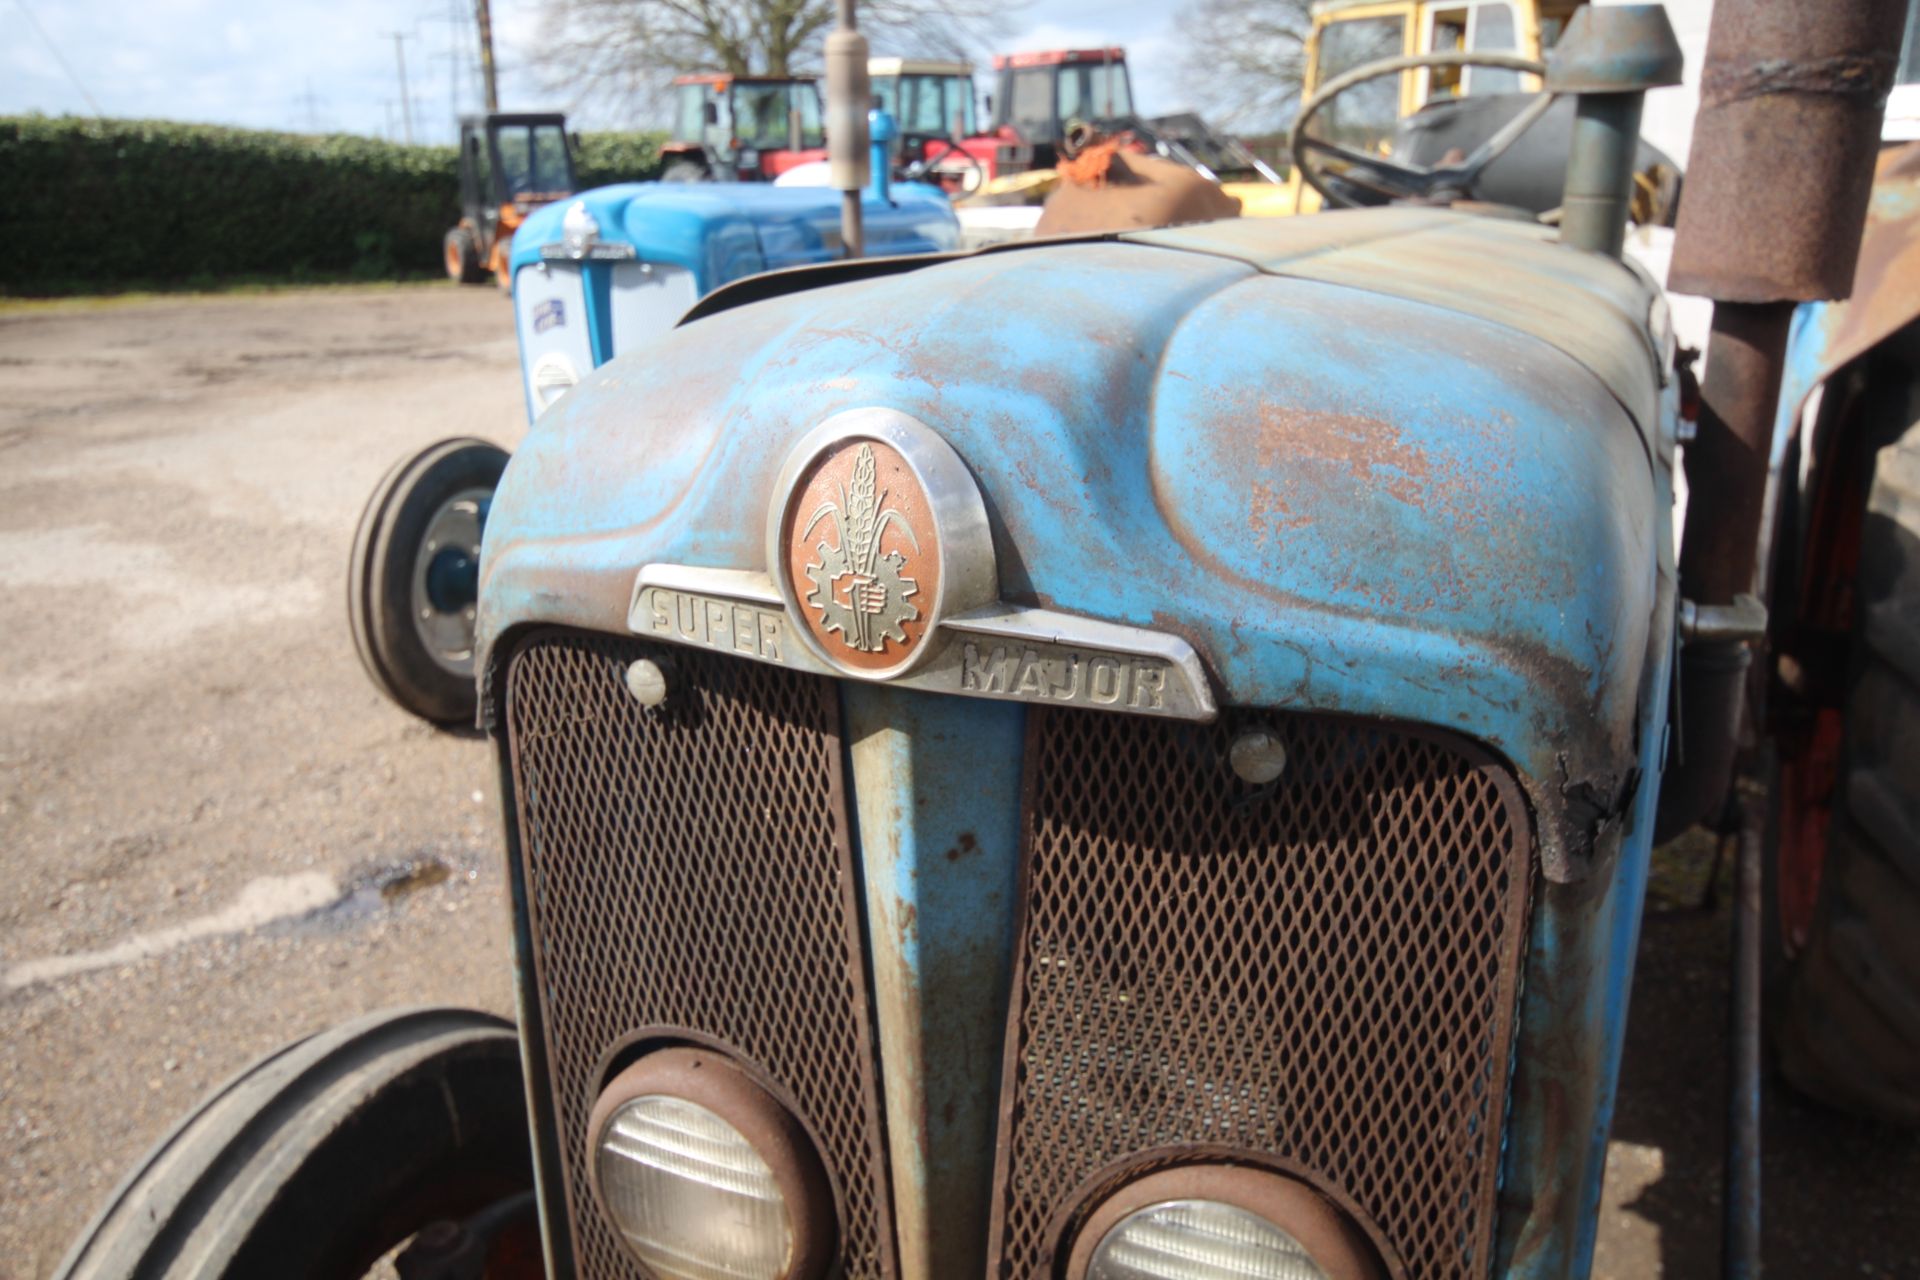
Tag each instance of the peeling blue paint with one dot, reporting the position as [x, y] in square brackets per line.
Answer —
[939, 852]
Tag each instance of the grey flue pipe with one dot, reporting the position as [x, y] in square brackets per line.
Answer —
[848, 91]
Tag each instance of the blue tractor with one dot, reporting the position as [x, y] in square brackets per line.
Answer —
[610, 269]
[1132, 757]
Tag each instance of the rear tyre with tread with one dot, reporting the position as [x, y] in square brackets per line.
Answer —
[323, 1155]
[1849, 1026]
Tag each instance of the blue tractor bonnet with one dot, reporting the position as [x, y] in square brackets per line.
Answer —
[724, 231]
[1396, 463]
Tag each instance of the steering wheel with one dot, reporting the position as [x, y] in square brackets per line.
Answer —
[1395, 179]
[919, 169]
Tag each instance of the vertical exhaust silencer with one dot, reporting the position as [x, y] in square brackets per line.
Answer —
[848, 92]
[1778, 179]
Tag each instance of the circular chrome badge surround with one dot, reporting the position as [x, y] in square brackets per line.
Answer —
[959, 542]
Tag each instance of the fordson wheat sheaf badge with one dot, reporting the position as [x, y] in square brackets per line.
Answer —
[880, 567]
[864, 554]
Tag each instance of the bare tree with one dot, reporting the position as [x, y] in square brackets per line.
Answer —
[1246, 59]
[620, 53]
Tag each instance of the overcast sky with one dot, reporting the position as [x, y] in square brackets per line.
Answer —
[329, 64]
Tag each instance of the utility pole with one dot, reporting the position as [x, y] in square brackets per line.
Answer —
[406, 103]
[483, 15]
[453, 66]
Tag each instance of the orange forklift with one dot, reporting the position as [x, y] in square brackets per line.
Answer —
[510, 165]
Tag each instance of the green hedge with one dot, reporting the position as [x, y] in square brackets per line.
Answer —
[112, 203]
[606, 158]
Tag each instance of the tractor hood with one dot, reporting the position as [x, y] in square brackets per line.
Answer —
[1392, 463]
[724, 231]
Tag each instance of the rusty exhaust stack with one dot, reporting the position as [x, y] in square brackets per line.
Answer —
[1778, 179]
[1781, 170]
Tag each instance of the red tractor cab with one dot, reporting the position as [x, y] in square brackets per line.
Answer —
[932, 102]
[1038, 95]
[729, 128]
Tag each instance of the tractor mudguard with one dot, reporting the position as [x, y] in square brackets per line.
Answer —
[1886, 291]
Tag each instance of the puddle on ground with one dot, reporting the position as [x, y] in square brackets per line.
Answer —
[306, 900]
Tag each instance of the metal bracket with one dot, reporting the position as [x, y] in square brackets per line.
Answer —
[1742, 621]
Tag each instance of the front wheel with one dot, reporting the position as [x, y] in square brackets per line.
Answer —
[413, 581]
[461, 256]
[324, 1155]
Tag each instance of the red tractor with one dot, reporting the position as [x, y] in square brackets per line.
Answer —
[1040, 95]
[730, 128]
[932, 102]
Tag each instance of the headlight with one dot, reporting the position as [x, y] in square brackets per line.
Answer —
[1199, 1240]
[705, 1175]
[1220, 1222]
[579, 230]
[553, 376]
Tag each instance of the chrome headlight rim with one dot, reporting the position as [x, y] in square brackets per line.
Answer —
[1327, 1231]
[711, 1080]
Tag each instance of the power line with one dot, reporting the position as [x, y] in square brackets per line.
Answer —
[61, 58]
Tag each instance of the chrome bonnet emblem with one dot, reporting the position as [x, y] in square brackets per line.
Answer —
[880, 566]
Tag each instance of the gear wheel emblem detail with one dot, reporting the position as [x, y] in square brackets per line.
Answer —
[861, 592]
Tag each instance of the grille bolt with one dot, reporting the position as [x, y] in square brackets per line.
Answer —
[647, 682]
[1258, 756]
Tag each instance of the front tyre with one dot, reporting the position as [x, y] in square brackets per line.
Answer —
[1849, 1027]
[413, 581]
[461, 257]
[322, 1156]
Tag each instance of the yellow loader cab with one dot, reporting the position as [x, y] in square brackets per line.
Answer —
[1349, 33]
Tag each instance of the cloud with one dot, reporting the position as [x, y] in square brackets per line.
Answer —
[248, 63]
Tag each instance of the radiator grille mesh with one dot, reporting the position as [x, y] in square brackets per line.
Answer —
[688, 867]
[1323, 970]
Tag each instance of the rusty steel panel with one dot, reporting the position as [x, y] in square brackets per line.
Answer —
[1781, 163]
[690, 880]
[1319, 974]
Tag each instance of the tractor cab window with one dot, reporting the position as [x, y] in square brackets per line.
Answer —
[690, 113]
[1030, 103]
[1364, 117]
[934, 106]
[533, 159]
[1479, 28]
[812, 132]
[478, 170]
[760, 114]
[1094, 91]
[960, 107]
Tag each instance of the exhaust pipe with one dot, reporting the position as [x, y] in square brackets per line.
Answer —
[1779, 175]
[848, 91]
[1609, 57]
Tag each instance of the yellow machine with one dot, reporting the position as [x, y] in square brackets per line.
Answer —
[1348, 33]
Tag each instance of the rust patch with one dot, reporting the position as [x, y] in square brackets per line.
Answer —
[1372, 451]
[965, 845]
